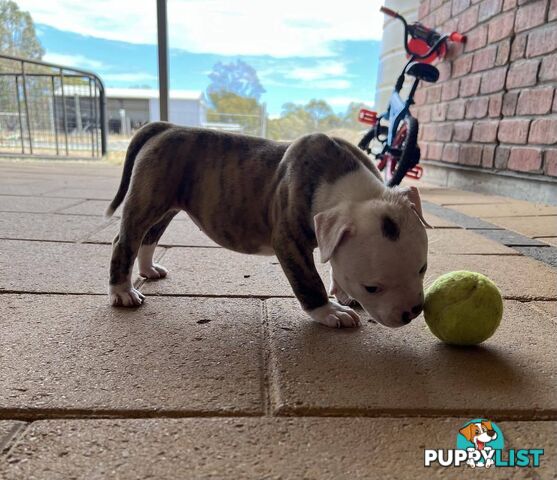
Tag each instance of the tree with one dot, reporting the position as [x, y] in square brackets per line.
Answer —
[228, 107]
[17, 32]
[350, 118]
[235, 77]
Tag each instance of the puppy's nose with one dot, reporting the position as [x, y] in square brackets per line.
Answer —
[417, 309]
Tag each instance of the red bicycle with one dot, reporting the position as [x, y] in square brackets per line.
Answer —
[399, 155]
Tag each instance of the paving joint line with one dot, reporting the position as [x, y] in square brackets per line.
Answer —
[532, 248]
[265, 358]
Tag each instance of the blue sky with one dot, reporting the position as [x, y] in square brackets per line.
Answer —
[299, 54]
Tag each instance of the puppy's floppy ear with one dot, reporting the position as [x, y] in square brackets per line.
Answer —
[468, 432]
[412, 194]
[331, 227]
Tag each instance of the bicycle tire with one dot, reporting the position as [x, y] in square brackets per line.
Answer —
[410, 152]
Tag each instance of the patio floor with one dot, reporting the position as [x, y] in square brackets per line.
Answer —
[220, 375]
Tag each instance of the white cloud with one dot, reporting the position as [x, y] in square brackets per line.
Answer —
[243, 27]
[323, 69]
[335, 84]
[78, 61]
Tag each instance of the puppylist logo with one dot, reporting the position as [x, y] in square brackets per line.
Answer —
[480, 444]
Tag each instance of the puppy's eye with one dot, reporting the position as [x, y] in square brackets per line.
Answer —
[423, 269]
[372, 289]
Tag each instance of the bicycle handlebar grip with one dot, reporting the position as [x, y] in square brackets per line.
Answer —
[457, 37]
[388, 11]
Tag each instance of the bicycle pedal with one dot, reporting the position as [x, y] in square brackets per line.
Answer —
[415, 173]
[367, 116]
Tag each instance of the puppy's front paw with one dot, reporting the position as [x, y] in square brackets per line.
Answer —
[153, 272]
[336, 316]
[124, 296]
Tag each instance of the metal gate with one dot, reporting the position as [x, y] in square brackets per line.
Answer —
[50, 110]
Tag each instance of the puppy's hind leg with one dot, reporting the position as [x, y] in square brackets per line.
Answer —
[134, 224]
[147, 268]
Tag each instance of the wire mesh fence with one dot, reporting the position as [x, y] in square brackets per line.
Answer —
[50, 110]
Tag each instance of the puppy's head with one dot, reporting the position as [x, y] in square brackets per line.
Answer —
[378, 253]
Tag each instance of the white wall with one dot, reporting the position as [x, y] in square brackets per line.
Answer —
[182, 112]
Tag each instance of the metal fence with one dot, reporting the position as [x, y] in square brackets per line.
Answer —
[50, 110]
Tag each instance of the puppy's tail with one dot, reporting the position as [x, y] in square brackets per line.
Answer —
[140, 138]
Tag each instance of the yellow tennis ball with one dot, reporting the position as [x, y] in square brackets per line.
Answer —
[463, 308]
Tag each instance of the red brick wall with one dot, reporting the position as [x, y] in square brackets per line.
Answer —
[494, 106]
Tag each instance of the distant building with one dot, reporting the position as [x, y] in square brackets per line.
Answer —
[130, 108]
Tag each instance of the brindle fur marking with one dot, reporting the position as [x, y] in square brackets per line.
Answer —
[246, 194]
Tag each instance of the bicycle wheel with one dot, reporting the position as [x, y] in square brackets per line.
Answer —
[406, 140]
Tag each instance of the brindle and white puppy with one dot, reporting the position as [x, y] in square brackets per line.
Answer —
[262, 197]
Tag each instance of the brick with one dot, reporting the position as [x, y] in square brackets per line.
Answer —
[439, 112]
[525, 159]
[513, 130]
[450, 90]
[423, 9]
[469, 19]
[444, 132]
[501, 157]
[518, 47]
[501, 27]
[503, 52]
[509, 5]
[435, 4]
[462, 65]
[434, 94]
[523, 73]
[444, 71]
[456, 109]
[423, 113]
[443, 13]
[459, 6]
[477, 107]
[510, 100]
[542, 41]
[435, 151]
[493, 80]
[470, 155]
[548, 70]
[427, 132]
[484, 59]
[462, 131]
[470, 85]
[488, 155]
[550, 163]
[535, 101]
[552, 14]
[420, 96]
[555, 104]
[450, 152]
[531, 15]
[476, 38]
[544, 131]
[485, 132]
[489, 8]
[495, 104]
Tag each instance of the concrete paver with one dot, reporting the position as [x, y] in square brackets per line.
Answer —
[529, 226]
[510, 209]
[438, 222]
[516, 276]
[548, 307]
[464, 242]
[84, 193]
[8, 429]
[214, 271]
[181, 232]
[248, 448]
[458, 197]
[548, 240]
[54, 267]
[16, 203]
[78, 353]
[318, 371]
[47, 226]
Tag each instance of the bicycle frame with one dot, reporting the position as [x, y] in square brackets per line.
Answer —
[432, 46]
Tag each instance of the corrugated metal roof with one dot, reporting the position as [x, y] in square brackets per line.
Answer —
[148, 93]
